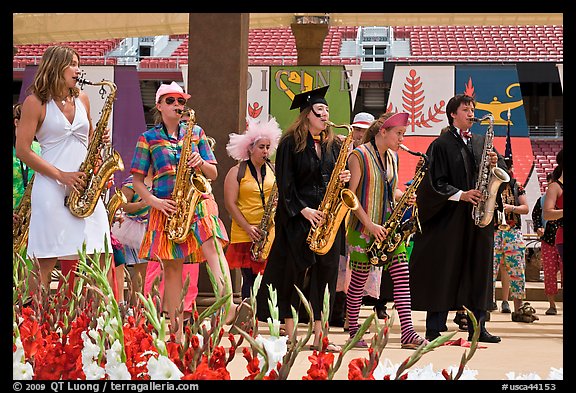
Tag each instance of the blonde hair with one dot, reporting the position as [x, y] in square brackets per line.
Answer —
[299, 128]
[49, 81]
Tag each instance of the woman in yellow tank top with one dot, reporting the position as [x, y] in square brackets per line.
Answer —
[247, 187]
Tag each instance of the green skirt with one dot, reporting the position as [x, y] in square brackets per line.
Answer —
[358, 244]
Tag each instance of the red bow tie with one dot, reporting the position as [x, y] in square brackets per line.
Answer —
[465, 134]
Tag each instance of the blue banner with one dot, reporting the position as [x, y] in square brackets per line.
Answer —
[496, 90]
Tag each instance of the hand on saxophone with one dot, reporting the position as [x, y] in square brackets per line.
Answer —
[316, 217]
[195, 160]
[473, 196]
[74, 180]
[493, 158]
[106, 138]
[254, 232]
[378, 231]
[166, 206]
[345, 176]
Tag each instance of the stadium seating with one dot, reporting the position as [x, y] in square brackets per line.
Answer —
[482, 43]
[545, 151]
[277, 46]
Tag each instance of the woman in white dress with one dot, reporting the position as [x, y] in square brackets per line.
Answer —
[57, 113]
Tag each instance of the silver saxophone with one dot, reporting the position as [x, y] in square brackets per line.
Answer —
[489, 179]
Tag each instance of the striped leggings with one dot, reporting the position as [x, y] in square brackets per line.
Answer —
[401, 278]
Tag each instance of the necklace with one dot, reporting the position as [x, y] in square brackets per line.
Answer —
[63, 100]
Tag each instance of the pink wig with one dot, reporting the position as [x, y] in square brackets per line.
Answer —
[240, 144]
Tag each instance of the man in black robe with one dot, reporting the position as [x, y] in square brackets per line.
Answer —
[451, 262]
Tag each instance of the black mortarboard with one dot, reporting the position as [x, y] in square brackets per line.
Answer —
[309, 98]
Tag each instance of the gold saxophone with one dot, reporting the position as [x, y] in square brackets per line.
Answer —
[100, 163]
[337, 202]
[489, 179]
[190, 185]
[380, 253]
[23, 210]
[114, 204]
[261, 248]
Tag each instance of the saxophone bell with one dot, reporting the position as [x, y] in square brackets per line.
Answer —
[503, 225]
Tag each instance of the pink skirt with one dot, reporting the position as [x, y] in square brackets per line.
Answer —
[130, 233]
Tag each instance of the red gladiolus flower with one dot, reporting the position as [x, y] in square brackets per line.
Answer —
[356, 368]
[321, 363]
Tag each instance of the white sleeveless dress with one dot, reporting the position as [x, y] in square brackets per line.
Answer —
[54, 231]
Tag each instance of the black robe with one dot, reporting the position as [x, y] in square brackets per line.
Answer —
[451, 262]
[302, 180]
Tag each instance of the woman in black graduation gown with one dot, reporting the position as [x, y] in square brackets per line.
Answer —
[305, 159]
[451, 261]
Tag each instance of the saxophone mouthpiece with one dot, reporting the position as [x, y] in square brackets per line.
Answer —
[83, 81]
[414, 153]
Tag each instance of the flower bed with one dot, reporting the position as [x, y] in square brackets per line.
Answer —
[87, 336]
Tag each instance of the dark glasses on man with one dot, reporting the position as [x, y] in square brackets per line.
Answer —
[170, 100]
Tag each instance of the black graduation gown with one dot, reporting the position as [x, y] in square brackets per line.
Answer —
[451, 261]
[302, 180]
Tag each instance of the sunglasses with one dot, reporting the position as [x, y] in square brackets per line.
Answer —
[170, 100]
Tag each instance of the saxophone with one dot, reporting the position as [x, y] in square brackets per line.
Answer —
[489, 179]
[190, 185]
[261, 248]
[114, 204]
[100, 163]
[23, 210]
[503, 217]
[336, 204]
[379, 253]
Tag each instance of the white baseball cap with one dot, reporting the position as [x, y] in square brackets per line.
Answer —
[362, 120]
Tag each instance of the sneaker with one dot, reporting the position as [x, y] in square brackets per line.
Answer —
[505, 307]
[551, 311]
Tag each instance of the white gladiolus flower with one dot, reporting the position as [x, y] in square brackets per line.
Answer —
[163, 368]
[93, 371]
[101, 321]
[512, 375]
[90, 351]
[556, 373]
[113, 356]
[275, 347]
[94, 334]
[467, 374]
[118, 372]
[22, 371]
[200, 340]
[385, 367]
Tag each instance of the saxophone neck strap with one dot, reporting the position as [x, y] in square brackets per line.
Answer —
[24, 171]
[255, 175]
[388, 195]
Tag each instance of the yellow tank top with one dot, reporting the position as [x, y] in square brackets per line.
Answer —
[250, 203]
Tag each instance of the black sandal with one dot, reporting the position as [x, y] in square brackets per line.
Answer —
[461, 319]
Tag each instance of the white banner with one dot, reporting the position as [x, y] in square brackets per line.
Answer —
[98, 94]
[184, 68]
[258, 95]
[561, 73]
[422, 91]
[354, 71]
